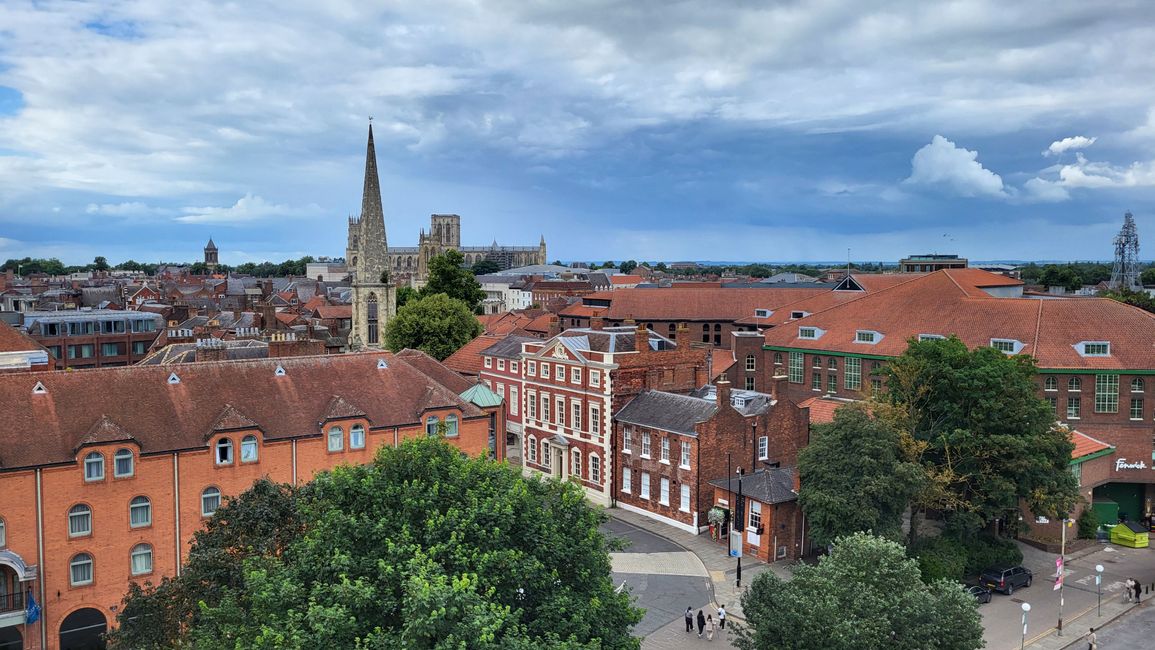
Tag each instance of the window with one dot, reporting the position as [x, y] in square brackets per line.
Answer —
[575, 375]
[139, 347]
[501, 364]
[777, 358]
[595, 469]
[645, 493]
[664, 491]
[684, 498]
[1077, 471]
[531, 368]
[1137, 385]
[807, 332]
[210, 501]
[816, 362]
[832, 383]
[576, 416]
[750, 363]
[1096, 349]
[931, 337]
[1006, 346]
[875, 385]
[139, 512]
[3, 535]
[665, 449]
[1106, 393]
[79, 520]
[832, 363]
[94, 467]
[141, 559]
[1074, 384]
[110, 350]
[488, 362]
[755, 516]
[513, 400]
[1136, 408]
[451, 425]
[544, 371]
[852, 380]
[684, 461]
[1053, 402]
[875, 367]
[627, 439]
[646, 444]
[431, 425]
[532, 446]
[80, 570]
[545, 456]
[595, 378]
[863, 336]
[1073, 406]
[595, 419]
[763, 447]
[531, 404]
[336, 439]
[794, 315]
[1050, 383]
[705, 333]
[559, 412]
[749, 383]
[513, 366]
[356, 440]
[627, 480]
[225, 451]
[559, 372]
[795, 371]
[545, 408]
[122, 463]
[815, 380]
[575, 468]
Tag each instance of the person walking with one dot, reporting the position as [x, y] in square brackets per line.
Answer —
[690, 616]
[1138, 589]
[1092, 640]
[701, 623]
[709, 627]
[1128, 589]
[721, 617]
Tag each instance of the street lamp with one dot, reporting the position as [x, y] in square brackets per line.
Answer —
[1026, 608]
[1099, 585]
[741, 529]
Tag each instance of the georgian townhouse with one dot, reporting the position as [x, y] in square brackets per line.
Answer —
[1095, 358]
[107, 473]
[501, 371]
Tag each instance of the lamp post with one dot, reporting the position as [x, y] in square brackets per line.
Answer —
[730, 533]
[754, 445]
[1099, 586]
[1026, 608]
[741, 529]
[1062, 565]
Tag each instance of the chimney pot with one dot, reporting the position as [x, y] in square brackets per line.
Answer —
[722, 391]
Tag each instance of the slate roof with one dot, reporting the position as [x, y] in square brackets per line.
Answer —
[667, 411]
[231, 419]
[165, 417]
[187, 352]
[508, 347]
[770, 485]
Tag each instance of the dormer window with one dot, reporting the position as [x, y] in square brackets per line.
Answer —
[798, 314]
[762, 313]
[810, 333]
[931, 337]
[1093, 348]
[1007, 346]
[738, 401]
[869, 337]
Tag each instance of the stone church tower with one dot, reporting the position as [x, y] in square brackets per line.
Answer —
[367, 257]
[211, 255]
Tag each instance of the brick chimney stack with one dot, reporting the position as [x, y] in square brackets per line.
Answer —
[597, 323]
[722, 391]
[642, 338]
[776, 386]
[554, 326]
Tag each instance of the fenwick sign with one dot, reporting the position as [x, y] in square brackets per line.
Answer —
[1121, 463]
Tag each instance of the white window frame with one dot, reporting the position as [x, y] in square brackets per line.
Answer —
[763, 447]
[531, 404]
[559, 410]
[645, 491]
[575, 375]
[250, 449]
[1082, 347]
[141, 550]
[751, 363]
[530, 368]
[1050, 383]
[79, 560]
[135, 506]
[543, 370]
[627, 439]
[93, 466]
[627, 480]
[664, 450]
[559, 372]
[664, 491]
[1015, 345]
[513, 365]
[595, 378]
[575, 468]
[575, 408]
[532, 447]
[206, 495]
[357, 436]
[488, 362]
[595, 420]
[500, 364]
[646, 442]
[684, 497]
[595, 468]
[684, 460]
[225, 445]
[80, 520]
[336, 438]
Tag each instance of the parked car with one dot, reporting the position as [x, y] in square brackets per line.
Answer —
[1006, 579]
[980, 593]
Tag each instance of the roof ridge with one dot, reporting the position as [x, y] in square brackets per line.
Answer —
[867, 294]
[960, 287]
[1038, 327]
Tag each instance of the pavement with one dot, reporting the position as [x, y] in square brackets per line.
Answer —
[1134, 628]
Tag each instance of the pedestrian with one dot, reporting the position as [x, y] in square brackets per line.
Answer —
[709, 627]
[1128, 589]
[1094, 643]
[690, 617]
[701, 623]
[1138, 589]
[721, 617]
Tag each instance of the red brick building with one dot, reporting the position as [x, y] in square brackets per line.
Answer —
[94, 338]
[21, 353]
[772, 526]
[106, 473]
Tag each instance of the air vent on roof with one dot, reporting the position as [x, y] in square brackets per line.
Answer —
[280, 371]
[381, 364]
[39, 389]
[173, 379]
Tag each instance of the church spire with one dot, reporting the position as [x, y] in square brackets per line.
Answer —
[371, 195]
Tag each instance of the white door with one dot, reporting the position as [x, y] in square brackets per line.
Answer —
[755, 524]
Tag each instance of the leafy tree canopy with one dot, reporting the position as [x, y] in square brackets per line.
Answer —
[448, 275]
[865, 594]
[854, 477]
[423, 548]
[436, 324]
[987, 436]
[483, 267]
[1140, 299]
[405, 294]
[628, 266]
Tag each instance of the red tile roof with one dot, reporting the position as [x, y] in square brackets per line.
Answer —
[625, 279]
[1085, 445]
[467, 360]
[334, 312]
[14, 340]
[720, 361]
[822, 408]
[436, 370]
[140, 401]
[698, 303]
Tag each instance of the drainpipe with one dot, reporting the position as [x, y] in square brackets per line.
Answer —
[176, 505]
[40, 560]
[294, 460]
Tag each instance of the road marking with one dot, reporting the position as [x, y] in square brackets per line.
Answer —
[677, 563]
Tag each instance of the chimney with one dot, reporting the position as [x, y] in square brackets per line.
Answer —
[597, 323]
[554, 326]
[722, 391]
[797, 480]
[642, 339]
[266, 288]
[776, 386]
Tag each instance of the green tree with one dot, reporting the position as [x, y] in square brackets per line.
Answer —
[100, 263]
[660, 267]
[405, 294]
[865, 594]
[435, 324]
[482, 267]
[1140, 299]
[128, 265]
[1060, 276]
[448, 275]
[422, 548]
[854, 477]
[1147, 277]
[628, 266]
[989, 439]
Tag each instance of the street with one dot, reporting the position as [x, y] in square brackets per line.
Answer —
[1136, 629]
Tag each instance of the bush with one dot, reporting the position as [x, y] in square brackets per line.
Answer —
[941, 557]
[985, 550]
[1088, 524]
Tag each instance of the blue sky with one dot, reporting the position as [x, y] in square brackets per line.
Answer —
[647, 129]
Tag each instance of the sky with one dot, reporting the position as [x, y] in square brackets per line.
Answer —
[644, 129]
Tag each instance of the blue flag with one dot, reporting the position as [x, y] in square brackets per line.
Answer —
[32, 613]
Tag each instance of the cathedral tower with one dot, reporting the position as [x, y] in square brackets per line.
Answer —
[367, 256]
[211, 255]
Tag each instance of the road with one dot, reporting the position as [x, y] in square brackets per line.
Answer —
[1134, 630]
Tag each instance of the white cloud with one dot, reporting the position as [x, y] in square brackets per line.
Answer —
[1086, 173]
[1038, 190]
[247, 209]
[942, 164]
[1067, 144]
[126, 209]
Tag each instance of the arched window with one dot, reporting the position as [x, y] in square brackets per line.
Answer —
[371, 320]
[777, 358]
[249, 449]
[3, 534]
[817, 361]
[673, 329]
[94, 467]
[576, 465]
[357, 437]
[1137, 385]
[80, 570]
[141, 559]
[451, 426]
[336, 439]
[225, 451]
[139, 512]
[595, 469]
[122, 463]
[1074, 384]
[79, 520]
[705, 332]
[532, 447]
[832, 363]
[1050, 383]
[431, 423]
[210, 501]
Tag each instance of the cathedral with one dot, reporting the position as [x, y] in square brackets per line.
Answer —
[412, 262]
